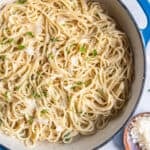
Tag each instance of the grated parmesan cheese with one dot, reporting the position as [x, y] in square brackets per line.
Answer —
[31, 105]
[29, 50]
[59, 129]
[43, 121]
[38, 26]
[84, 40]
[74, 60]
[140, 132]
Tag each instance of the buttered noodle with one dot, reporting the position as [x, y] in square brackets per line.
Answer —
[65, 69]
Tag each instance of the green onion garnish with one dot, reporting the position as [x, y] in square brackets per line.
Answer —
[79, 83]
[80, 112]
[38, 73]
[54, 39]
[44, 111]
[67, 50]
[67, 134]
[30, 121]
[82, 49]
[7, 41]
[10, 40]
[73, 87]
[35, 95]
[6, 95]
[69, 98]
[3, 41]
[87, 83]
[30, 34]
[2, 57]
[21, 47]
[17, 88]
[94, 52]
[45, 93]
[51, 56]
[67, 139]
[22, 1]
[1, 122]
[101, 91]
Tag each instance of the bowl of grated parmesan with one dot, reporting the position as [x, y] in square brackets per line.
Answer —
[137, 132]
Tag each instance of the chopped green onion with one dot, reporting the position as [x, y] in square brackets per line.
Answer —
[73, 87]
[74, 44]
[79, 83]
[21, 47]
[73, 110]
[35, 95]
[88, 58]
[38, 73]
[7, 41]
[22, 1]
[30, 34]
[94, 52]
[1, 122]
[67, 139]
[10, 40]
[51, 56]
[45, 93]
[68, 98]
[101, 91]
[30, 121]
[67, 50]
[44, 111]
[6, 95]
[2, 41]
[80, 112]
[87, 83]
[53, 100]
[82, 49]
[97, 15]
[2, 57]
[54, 39]
[67, 134]
[17, 88]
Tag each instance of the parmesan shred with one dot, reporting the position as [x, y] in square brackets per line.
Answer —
[140, 132]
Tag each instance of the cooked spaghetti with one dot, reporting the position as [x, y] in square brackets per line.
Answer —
[65, 69]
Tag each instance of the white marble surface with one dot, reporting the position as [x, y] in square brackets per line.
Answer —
[144, 104]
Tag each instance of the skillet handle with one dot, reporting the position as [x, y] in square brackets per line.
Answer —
[145, 4]
[3, 147]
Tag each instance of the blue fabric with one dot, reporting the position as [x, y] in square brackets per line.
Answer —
[118, 140]
[145, 4]
[3, 148]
